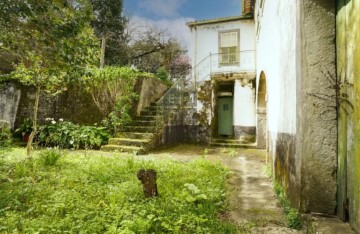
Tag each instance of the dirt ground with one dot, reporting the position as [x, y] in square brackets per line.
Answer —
[253, 203]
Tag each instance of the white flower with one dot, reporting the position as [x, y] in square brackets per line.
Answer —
[61, 119]
[53, 121]
[47, 119]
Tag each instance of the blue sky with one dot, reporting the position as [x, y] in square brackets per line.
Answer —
[170, 9]
[172, 15]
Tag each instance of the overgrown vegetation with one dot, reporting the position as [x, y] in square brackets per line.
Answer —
[5, 135]
[67, 135]
[101, 194]
[112, 89]
[292, 215]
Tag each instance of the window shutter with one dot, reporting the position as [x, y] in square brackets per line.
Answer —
[229, 39]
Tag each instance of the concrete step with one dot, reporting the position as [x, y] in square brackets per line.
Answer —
[150, 129]
[151, 108]
[148, 112]
[234, 145]
[224, 140]
[134, 135]
[145, 118]
[129, 142]
[122, 148]
[143, 123]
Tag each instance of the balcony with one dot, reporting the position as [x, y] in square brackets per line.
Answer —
[241, 62]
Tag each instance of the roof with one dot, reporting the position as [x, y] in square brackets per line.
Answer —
[218, 20]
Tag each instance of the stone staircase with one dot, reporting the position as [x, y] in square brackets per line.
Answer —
[138, 137]
[231, 143]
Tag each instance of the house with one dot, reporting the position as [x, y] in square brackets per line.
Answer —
[307, 69]
[224, 71]
[287, 71]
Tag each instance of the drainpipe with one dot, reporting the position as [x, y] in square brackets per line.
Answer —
[195, 59]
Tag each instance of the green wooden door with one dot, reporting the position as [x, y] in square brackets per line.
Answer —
[225, 116]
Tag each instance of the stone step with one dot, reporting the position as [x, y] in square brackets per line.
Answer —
[122, 148]
[145, 118]
[143, 123]
[151, 108]
[134, 135]
[224, 140]
[150, 129]
[148, 112]
[129, 142]
[234, 145]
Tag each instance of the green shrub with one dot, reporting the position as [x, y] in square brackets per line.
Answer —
[65, 134]
[5, 134]
[49, 157]
[25, 127]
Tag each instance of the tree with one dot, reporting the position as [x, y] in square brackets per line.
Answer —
[152, 50]
[53, 40]
[109, 26]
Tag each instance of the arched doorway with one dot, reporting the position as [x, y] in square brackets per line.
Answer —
[261, 135]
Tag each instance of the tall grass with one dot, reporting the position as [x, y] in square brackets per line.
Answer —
[101, 194]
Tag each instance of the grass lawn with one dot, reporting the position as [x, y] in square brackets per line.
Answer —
[101, 194]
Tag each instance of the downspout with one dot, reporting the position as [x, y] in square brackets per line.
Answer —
[195, 59]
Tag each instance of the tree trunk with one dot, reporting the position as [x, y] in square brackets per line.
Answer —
[34, 129]
[102, 52]
[148, 180]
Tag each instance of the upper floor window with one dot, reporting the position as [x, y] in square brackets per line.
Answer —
[229, 47]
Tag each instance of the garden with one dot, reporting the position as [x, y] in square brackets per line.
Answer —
[67, 191]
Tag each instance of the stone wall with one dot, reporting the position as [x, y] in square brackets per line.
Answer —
[149, 90]
[316, 105]
[9, 101]
[348, 72]
[75, 104]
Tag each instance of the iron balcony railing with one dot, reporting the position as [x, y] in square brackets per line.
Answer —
[170, 104]
[240, 61]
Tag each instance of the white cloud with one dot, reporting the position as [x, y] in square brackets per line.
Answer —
[163, 8]
[176, 28]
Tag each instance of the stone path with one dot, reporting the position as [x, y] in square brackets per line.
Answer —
[253, 203]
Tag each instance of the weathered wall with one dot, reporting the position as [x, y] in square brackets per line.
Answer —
[150, 91]
[206, 38]
[316, 106]
[296, 53]
[348, 70]
[9, 101]
[76, 104]
[276, 26]
[244, 110]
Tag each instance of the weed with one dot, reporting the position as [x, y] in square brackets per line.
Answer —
[232, 153]
[292, 215]
[49, 157]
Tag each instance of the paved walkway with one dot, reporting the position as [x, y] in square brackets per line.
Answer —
[253, 204]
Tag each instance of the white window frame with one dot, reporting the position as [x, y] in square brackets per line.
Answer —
[229, 43]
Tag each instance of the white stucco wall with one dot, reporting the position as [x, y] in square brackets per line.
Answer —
[206, 42]
[276, 57]
[244, 105]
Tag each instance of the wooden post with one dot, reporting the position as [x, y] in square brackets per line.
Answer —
[148, 180]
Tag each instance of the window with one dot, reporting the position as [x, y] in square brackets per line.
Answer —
[229, 48]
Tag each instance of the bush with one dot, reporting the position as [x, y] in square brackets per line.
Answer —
[65, 134]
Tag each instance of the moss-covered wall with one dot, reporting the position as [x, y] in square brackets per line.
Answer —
[348, 69]
[75, 105]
